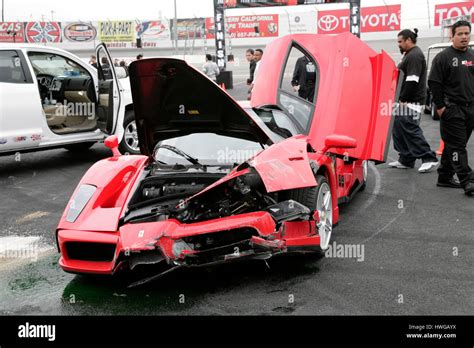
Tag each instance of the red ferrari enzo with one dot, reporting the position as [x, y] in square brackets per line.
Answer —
[219, 181]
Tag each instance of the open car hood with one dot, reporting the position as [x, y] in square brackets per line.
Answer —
[173, 99]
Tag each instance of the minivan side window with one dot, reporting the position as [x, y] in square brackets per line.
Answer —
[11, 68]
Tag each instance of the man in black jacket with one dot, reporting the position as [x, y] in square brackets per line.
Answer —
[451, 82]
[304, 78]
[252, 64]
[408, 138]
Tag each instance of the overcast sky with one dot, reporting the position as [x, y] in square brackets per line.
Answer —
[66, 10]
[93, 10]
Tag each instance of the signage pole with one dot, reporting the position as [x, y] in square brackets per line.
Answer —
[219, 33]
[175, 29]
[355, 17]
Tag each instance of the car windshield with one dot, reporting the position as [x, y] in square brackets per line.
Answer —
[208, 149]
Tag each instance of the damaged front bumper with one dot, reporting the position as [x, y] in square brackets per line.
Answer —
[172, 244]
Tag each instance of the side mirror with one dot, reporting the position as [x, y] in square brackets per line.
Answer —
[112, 143]
[121, 72]
[339, 141]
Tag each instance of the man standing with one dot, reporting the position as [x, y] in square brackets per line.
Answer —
[93, 61]
[451, 82]
[210, 68]
[258, 54]
[304, 78]
[249, 56]
[408, 138]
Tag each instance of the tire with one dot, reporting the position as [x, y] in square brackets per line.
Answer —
[80, 147]
[129, 143]
[314, 198]
[305, 196]
[365, 165]
[434, 114]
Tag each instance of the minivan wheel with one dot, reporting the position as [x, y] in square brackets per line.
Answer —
[129, 143]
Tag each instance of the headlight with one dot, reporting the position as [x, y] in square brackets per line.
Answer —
[79, 201]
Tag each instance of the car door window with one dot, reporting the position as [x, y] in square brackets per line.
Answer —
[55, 65]
[104, 66]
[11, 68]
[298, 87]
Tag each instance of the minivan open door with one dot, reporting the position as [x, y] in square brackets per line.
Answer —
[109, 98]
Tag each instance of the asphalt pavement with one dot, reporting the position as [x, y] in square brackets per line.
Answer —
[414, 240]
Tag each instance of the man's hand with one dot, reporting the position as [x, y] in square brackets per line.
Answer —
[296, 88]
[441, 111]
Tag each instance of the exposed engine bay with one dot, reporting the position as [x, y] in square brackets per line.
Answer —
[164, 196]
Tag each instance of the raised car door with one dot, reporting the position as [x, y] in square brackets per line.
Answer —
[109, 98]
[354, 90]
[20, 106]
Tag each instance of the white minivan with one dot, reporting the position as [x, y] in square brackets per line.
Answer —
[50, 98]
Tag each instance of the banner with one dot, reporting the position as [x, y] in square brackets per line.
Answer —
[372, 19]
[79, 32]
[257, 3]
[244, 27]
[116, 31]
[43, 32]
[189, 28]
[11, 32]
[443, 11]
[152, 31]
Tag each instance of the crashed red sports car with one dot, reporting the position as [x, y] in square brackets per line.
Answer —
[219, 181]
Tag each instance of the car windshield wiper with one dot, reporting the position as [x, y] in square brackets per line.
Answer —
[183, 154]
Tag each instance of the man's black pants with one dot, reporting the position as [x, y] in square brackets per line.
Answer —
[456, 127]
[408, 139]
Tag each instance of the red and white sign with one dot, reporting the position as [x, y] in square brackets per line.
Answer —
[43, 32]
[372, 19]
[444, 11]
[80, 32]
[153, 30]
[241, 27]
[11, 32]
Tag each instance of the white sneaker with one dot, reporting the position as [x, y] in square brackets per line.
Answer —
[428, 167]
[397, 164]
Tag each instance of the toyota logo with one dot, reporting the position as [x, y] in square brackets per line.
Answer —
[328, 23]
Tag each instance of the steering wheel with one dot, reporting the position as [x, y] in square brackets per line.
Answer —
[45, 80]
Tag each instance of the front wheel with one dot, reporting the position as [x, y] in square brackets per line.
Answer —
[324, 209]
[129, 143]
[318, 198]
